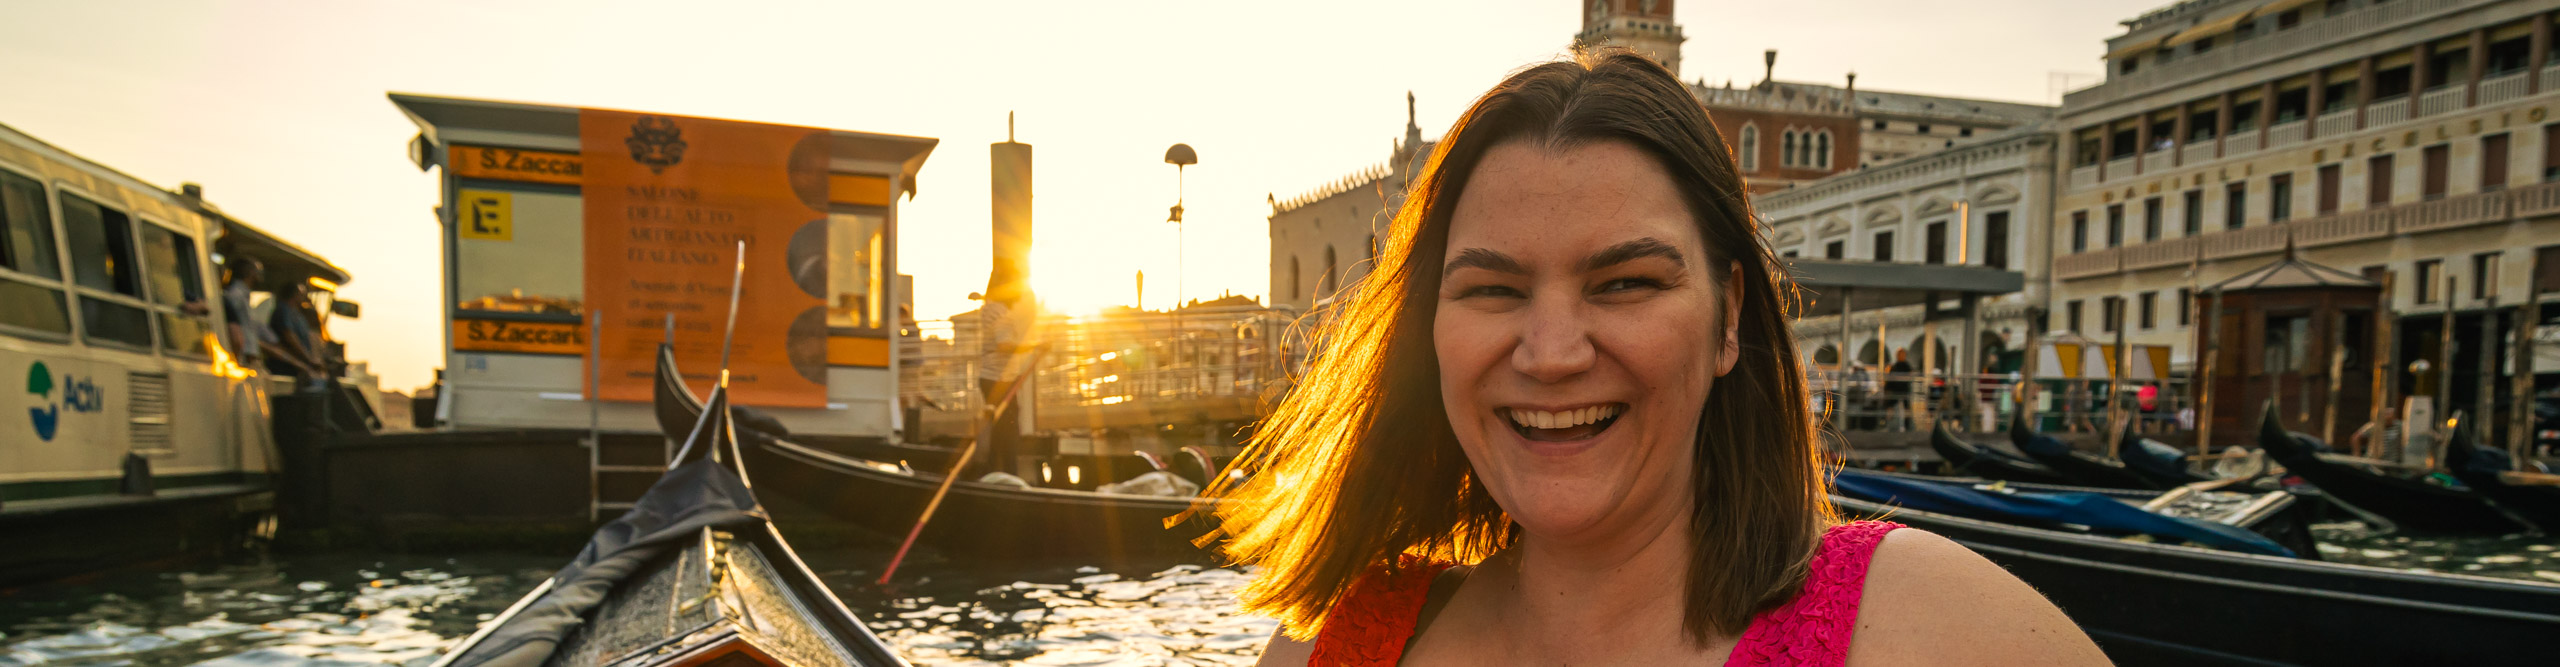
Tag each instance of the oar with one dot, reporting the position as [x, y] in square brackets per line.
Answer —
[1003, 402]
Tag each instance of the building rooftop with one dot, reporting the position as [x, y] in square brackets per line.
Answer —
[1818, 98]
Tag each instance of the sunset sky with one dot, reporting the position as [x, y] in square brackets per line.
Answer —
[278, 107]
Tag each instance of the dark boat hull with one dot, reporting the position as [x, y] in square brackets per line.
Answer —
[2086, 470]
[978, 520]
[2410, 505]
[2152, 604]
[1972, 458]
[53, 540]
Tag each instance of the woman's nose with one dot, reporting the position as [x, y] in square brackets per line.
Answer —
[1555, 343]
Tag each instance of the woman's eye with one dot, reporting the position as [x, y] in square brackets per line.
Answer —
[1625, 284]
[1500, 291]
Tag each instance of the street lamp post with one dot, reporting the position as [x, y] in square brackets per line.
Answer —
[1180, 156]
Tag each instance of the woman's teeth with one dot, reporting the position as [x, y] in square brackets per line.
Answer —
[1565, 419]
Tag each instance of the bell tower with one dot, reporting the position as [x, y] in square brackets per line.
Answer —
[1644, 26]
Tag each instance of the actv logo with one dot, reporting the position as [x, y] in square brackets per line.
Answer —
[78, 395]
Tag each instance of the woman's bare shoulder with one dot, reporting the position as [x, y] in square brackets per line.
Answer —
[1929, 600]
[1285, 652]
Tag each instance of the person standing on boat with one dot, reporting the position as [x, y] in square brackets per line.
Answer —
[246, 339]
[1563, 421]
[1000, 340]
[297, 347]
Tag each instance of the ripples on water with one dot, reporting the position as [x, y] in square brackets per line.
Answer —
[1181, 615]
[2509, 557]
[317, 610]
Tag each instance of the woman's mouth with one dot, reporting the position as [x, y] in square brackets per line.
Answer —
[1563, 426]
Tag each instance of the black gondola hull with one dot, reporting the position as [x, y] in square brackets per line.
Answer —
[2410, 505]
[1991, 464]
[981, 521]
[2151, 604]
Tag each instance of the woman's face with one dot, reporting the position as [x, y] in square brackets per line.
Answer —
[1579, 328]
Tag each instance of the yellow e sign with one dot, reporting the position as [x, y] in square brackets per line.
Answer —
[487, 216]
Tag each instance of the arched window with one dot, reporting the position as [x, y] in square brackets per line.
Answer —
[1328, 282]
[1295, 287]
[1787, 154]
[1750, 148]
[1822, 149]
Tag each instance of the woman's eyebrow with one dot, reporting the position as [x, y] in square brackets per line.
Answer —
[1479, 258]
[1630, 251]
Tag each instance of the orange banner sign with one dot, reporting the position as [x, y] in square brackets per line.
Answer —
[668, 199]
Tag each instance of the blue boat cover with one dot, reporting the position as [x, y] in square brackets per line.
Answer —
[2100, 513]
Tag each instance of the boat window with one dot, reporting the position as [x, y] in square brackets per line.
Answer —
[177, 285]
[101, 241]
[27, 251]
[532, 263]
[26, 246]
[102, 262]
[856, 283]
[170, 258]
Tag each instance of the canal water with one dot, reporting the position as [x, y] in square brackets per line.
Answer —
[349, 609]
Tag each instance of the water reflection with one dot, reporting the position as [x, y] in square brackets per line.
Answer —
[320, 610]
[2519, 556]
[1184, 614]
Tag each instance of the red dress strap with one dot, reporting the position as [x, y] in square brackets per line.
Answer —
[1370, 625]
[1814, 629]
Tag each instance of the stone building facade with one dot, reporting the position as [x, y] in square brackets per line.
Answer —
[1986, 204]
[1326, 238]
[2416, 140]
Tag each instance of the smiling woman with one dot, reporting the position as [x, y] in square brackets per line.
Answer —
[1564, 423]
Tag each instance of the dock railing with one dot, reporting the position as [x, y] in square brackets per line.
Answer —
[1864, 400]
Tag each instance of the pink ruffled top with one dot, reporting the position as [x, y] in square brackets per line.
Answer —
[1371, 624]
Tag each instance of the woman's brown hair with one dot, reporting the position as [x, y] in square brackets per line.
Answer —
[1358, 464]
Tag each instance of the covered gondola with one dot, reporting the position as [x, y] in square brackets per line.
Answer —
[2159, 604]
[2410, 505]
[694, 574]
[2081, 468]
[978, 520]
[1988, 462]
[2479, 468]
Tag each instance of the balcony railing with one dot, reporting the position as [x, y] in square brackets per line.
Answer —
[2171, 252]
[2284, 134]
[2156, 162]
[2083, 177]
[2440, 100]
[2119, 168]
[2502, 88]
[2241, 142]
[2196, 152]
[2449, 213]
[2386, 111]
[2533, 200]
[2081, 265]
[2550, 78]
[2336, 123]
